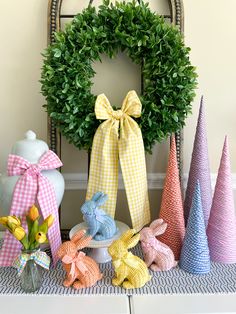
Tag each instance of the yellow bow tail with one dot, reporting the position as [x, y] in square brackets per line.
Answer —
[120, 138]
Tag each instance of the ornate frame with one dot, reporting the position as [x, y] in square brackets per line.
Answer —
[54, 24]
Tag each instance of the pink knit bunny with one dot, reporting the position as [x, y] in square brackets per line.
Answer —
[157, 255]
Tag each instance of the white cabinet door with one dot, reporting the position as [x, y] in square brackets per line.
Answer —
[64, 304]
[184, 304]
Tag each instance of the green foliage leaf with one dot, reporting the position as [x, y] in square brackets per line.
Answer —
[29, 223]
[32, 232]
[158, 47]
[57, 53]
[43, 228]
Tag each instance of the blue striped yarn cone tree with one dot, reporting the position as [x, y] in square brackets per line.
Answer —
[195, 257]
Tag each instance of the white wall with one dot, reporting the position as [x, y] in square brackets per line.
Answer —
[23, 33]
[210, 30]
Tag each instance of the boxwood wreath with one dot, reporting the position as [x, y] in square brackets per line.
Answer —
[169, 78]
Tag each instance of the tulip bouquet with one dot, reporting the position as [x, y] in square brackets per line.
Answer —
[37, 233]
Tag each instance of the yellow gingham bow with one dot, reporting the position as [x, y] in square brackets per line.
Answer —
[120, 138]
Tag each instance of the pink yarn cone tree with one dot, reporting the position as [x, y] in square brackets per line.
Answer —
[199, 169]
[172, 207]
[221, 229]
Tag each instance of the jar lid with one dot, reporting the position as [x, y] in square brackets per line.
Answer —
[30, 148]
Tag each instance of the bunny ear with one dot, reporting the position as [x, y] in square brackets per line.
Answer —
[133, 241]
[99, 198]
[96, 196]
[78, 235]
[156, 223]
[127, 235]
[81, 243]
[129, 239]
[158, 226]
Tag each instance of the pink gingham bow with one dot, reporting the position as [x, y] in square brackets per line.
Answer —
[76, 262]
[32, 186]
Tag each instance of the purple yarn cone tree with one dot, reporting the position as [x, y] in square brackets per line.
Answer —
[221, 229]
[199, 170]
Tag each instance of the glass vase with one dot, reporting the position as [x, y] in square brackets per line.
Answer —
[31, 276]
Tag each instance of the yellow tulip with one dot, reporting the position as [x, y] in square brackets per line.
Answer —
[19, 233]
[13, 220]
[33, 213]
[49, 220]
[40, 237]
[3, 221]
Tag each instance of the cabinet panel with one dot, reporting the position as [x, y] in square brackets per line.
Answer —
[184, 304]
[64, 304]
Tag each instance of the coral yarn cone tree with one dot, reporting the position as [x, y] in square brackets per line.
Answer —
[195, 257]
[171, 206]
[221, 229]
[199, 169]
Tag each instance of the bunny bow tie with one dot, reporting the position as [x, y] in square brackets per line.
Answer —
[99, 215]
[76, 262]
[31, 186]
[120, 138]
[127, 259]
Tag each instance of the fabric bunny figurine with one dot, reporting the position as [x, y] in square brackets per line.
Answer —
[131, 271]
[101, 226]
[157, 255]
[82, 271]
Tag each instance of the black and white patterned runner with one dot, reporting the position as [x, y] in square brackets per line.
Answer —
[221, 279]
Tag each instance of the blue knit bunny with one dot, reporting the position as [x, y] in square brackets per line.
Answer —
[101, 226]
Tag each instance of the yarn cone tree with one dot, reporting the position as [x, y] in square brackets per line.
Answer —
[172, 206]
[195, 257]
[221, 229]
[199, 169]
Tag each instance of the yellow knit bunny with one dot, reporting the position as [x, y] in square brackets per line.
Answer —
[130, 270]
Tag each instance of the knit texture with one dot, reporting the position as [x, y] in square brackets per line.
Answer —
[157, 255]
[195, 256]
[81, 270]
[221, 229]
[172, 206]
[101, 226]
[131, 271]
[199, 170]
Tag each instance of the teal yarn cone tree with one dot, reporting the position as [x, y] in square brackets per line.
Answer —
[199, 169]
[195, 257]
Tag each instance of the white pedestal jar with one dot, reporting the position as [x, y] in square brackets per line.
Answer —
[30, 149]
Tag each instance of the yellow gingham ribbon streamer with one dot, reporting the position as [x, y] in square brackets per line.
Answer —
[120, 138]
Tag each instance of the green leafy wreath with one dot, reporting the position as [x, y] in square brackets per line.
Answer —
[169, 79]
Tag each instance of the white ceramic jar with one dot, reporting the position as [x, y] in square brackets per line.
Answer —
[30, 149]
